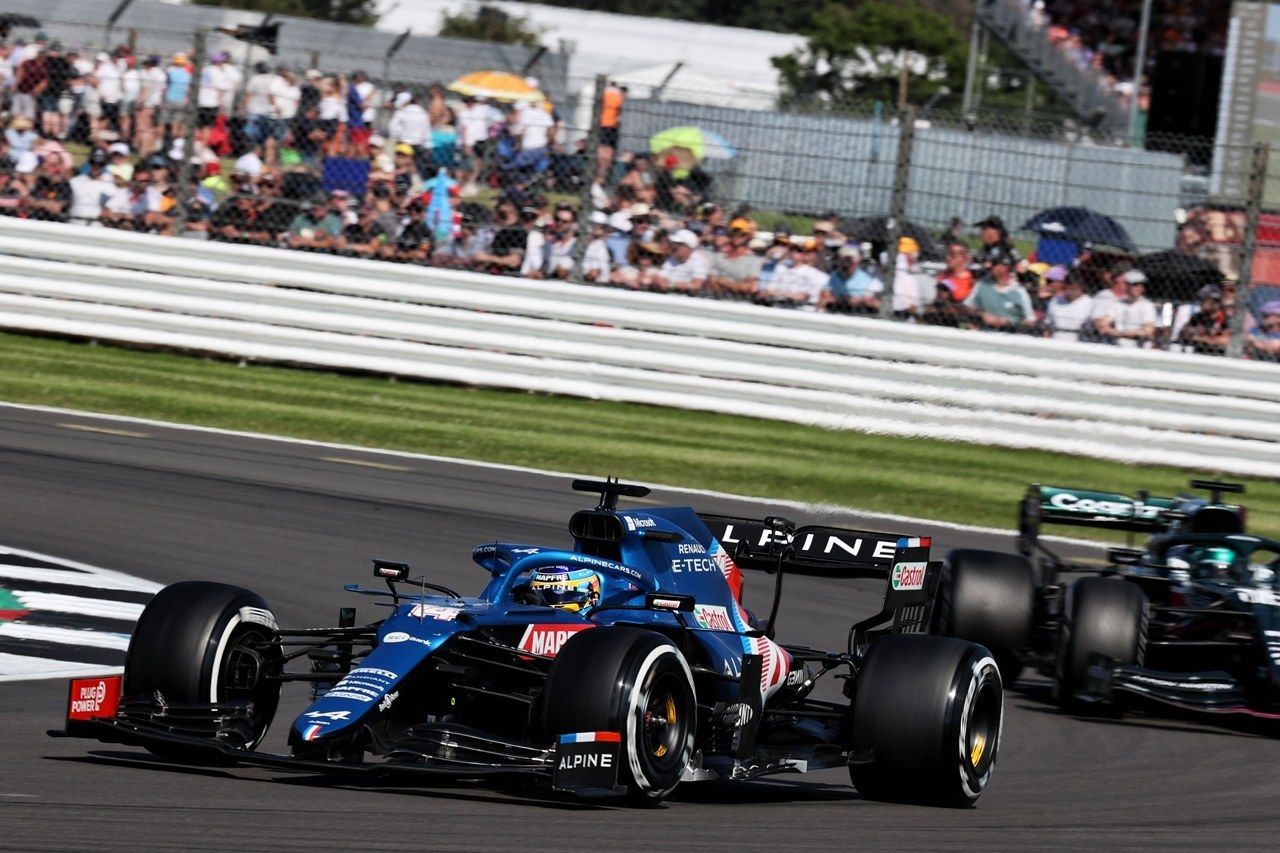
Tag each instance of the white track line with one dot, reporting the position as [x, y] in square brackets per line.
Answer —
[75, 604]
[102, 579]
[26, 668]
[66, 636]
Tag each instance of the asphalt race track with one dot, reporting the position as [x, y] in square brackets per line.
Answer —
[295, 522]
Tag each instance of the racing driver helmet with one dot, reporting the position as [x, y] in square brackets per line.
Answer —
[571, 590]
[1212, 562]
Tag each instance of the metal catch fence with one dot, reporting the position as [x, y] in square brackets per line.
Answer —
[1013, 223]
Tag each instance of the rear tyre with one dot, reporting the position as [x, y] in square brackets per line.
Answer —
[1103, 617]
[928, 713]
[206, 642]
[989, 598]
[633, 682]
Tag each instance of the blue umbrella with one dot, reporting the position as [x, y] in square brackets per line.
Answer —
[1081, 225]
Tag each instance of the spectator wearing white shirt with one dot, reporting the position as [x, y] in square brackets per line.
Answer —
[908, 298]
[686, 270]
[257, 103]
[1106, 309]
[796, 283]
[474, 120]
[106, 81]
[20, 135]
[130, 91]
[560, 243]
[333, 111]
[533, 125]
[596, 262]
[215, 84]
[6, 70]
[1070, 310]
[90, 190]
[152, 81]
[36, 46]
[1135, 325]
[284, 96]
[235, 82]
[411, 126]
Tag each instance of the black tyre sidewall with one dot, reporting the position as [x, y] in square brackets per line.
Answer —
[598, 683]
[989, 598]
[913, 709]
[1103, 616]
[181, 640]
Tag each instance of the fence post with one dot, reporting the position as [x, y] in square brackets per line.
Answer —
[1252, 213]
[898, 204]
[585, 205]
[971, 71]
[387, 108]
[188, 142]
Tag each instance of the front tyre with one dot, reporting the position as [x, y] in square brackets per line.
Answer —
[206, 643]
[927, 717]
[633, 682]
[1104, 617]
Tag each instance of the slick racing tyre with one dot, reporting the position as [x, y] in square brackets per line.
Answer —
[1103, 617]
[927, 716]
[633, 682]
[206, 643]
[989, 598]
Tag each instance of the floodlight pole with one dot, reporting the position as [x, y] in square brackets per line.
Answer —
[1252, 215]
[586, 207]
[1139, 62]
[111, 22]
[898, 206]
[971, 72]
[185, 171]
[658, 90]
[391, 52]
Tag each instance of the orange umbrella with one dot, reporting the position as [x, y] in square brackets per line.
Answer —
[498, 85]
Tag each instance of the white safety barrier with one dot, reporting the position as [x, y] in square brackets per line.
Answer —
[837, 372]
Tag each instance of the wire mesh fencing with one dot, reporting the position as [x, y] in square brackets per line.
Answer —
[1017, 223]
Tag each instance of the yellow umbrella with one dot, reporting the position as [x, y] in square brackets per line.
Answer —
[498, 85]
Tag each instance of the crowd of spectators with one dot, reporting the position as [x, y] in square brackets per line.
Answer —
[1102, 37]
[338, 164]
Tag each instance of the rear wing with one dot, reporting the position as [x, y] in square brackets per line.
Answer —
[775, 544]
[1144, 513]
[816, 549]
[1086, 508]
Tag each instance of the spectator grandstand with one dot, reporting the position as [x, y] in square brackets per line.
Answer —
[488, 172]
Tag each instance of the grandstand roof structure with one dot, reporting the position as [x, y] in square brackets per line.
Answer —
[166, 26]
[729, 62]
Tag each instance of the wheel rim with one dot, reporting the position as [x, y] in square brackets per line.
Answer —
[663, 723]
[983, 729]
[242, 673]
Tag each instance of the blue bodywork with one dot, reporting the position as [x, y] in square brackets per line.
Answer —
[663, 550]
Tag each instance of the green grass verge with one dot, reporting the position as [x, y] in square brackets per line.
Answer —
[932, 479]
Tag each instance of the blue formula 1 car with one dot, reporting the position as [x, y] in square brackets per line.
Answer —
[622, 667]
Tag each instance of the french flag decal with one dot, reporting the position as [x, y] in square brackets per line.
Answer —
[311, 732]
[592, 737]
[917, 542]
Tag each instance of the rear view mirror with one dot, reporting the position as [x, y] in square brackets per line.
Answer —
[390, 570]
[1124, 556]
